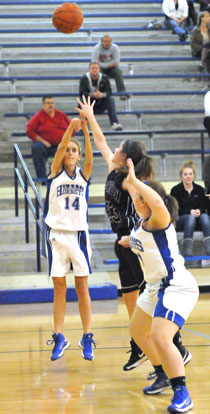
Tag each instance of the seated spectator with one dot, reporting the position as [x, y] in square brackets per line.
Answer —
[200, 41]
[206, 120]
[192, 209]
[206, 179]
[192, 15]
[97, 85]
[107, 54]
[46, 129]
[176, 13]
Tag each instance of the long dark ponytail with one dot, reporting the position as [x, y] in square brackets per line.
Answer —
[142, 162]
[169, 201]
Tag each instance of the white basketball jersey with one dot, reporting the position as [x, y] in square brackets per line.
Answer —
[159, 255]
[66, 202]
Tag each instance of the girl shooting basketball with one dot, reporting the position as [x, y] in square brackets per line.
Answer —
[65, 214]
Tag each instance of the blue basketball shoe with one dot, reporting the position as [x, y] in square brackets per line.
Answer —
[160, 383]
[86, 344]
[181, 401]
[61, 343]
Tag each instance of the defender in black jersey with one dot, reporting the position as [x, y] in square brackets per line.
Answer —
[119, 196]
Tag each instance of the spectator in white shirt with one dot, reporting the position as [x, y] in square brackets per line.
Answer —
[206, 120]
[176, 13]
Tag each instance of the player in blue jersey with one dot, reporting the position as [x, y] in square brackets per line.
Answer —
[171, 291]
[65, 214]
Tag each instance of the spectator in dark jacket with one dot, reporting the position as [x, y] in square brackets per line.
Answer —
[97, 85]
[192, 209]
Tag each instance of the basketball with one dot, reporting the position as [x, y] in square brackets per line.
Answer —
[67, 18]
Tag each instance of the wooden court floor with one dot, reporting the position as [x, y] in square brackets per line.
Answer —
[31, 383]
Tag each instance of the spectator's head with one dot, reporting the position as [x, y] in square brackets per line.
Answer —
[94, 70]
[106, 41]
[204, 18]
[48, 104]
[187, 173]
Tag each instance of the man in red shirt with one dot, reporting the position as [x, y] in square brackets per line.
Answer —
[46, 129]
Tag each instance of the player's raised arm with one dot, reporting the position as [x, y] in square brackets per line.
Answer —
[99, 138]
[58, 159]
[88, 163]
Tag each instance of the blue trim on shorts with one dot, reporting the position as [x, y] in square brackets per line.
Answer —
[49, 249]
[162, 245]
[165, 313]
[82, 239]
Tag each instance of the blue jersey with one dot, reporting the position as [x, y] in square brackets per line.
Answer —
[66, 203]
[159, 255]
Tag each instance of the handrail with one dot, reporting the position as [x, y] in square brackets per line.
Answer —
[28, 201]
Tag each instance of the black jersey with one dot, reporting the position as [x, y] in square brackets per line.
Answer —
[119, 205]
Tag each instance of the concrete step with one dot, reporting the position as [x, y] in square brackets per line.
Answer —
[61, 51]
[54, 68]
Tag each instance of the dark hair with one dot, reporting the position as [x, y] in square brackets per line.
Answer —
[47, 97]
[93, 63]
[142, 162]
[169, 201]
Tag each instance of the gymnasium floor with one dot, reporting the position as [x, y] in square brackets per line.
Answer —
[31, 383]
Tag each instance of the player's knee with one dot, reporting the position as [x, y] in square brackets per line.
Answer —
[59, 286]
[159, 341]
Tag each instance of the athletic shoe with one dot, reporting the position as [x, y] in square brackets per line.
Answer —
[61, 343]
[86, 344]
[137, 357]
[181, 402]
[117, 127]
[160, 383]
[187, 356]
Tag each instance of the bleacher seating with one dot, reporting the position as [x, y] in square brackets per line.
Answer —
[149, 97]
[33, 55]
[139, 115]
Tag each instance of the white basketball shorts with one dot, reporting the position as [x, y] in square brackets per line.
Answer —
[66, 248]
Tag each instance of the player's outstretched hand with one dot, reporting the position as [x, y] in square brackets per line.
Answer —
[131, 173]
[85, 106]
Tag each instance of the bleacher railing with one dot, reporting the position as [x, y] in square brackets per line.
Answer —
[25, 181]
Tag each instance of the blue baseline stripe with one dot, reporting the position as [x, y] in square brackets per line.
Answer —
[197, 333]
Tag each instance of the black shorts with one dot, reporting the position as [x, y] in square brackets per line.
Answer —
[130, 272]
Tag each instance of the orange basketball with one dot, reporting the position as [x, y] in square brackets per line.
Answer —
[67, 18]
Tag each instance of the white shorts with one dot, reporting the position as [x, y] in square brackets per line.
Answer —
[173, 303]
[66, 248]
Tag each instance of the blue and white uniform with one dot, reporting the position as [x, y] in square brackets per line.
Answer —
[171, 290]
[65, 213]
